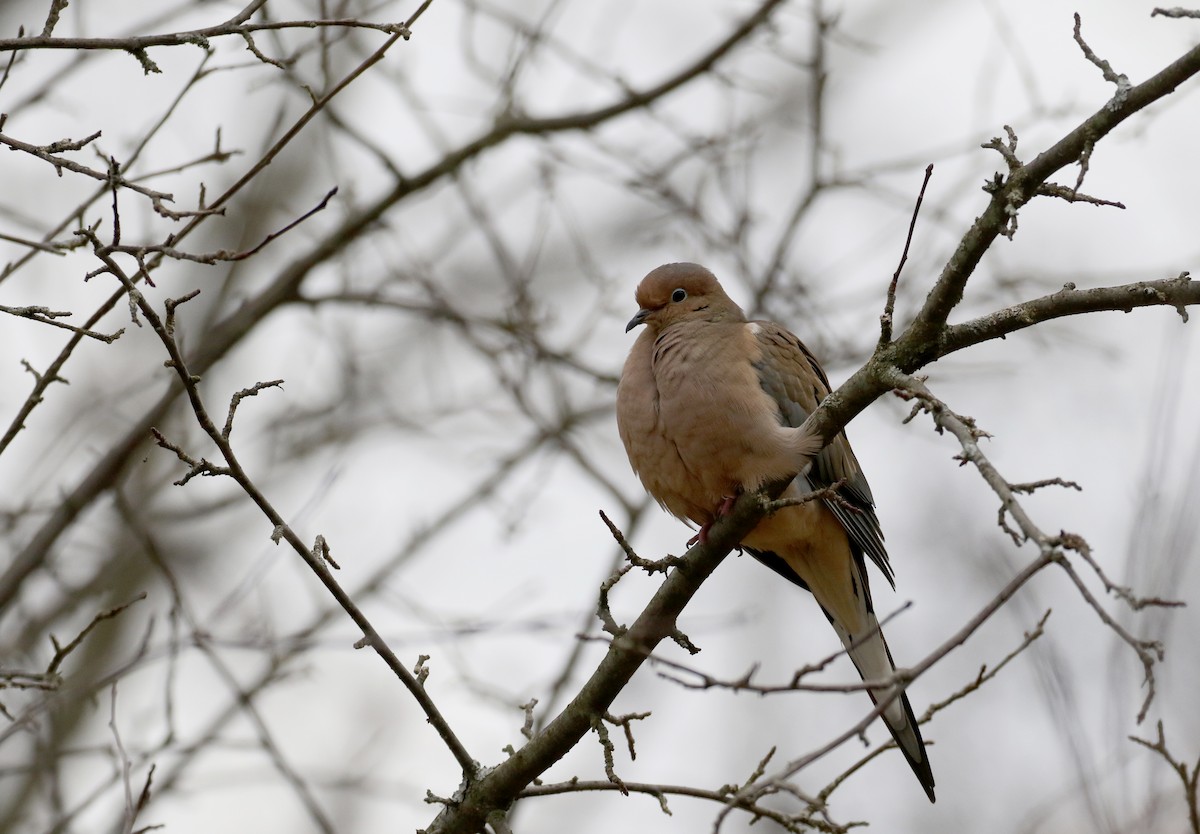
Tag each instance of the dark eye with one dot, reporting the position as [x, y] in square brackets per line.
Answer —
[679, 295]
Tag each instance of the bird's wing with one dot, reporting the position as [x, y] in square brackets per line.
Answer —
[792, 377]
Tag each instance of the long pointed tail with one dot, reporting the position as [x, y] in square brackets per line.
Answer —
[827, 562]
[873, 659]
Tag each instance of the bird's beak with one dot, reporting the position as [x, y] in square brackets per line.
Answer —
[640, 318]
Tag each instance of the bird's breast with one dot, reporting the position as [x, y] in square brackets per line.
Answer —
[695, 421]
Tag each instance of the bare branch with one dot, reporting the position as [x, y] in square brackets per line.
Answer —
[924, 340]
[985, 673]
[889, 307]
[609, 750]
[1190, 778]
[50, 152]
[626, 655]
[648, 565]
[1178, 293]
[1051, 548]
[237, 398]
[234, 470]
[61, 653]
[51, 317]
[1177, 11]
[138, 44]
[1073, 195]
[1120, 80]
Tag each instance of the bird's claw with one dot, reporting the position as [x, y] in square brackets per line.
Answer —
[722, 510]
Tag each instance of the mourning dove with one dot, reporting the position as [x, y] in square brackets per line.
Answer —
[709, 406]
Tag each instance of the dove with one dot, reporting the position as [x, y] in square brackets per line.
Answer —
[711, 405]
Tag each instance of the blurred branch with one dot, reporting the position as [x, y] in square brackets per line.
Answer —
[233, 469]
[225, 334]
[233, 329]
[439, 309]
[912, 349]
[237, 25]
[280, 659]
[514, 348]
[219, 340]
[28, 717]
[635, 99]
[241, 697]
[1189, 778]
[51, 678]
[819, 179]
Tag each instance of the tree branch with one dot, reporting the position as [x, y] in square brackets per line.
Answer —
[921, 342]
[501, 785]
[1180, 293]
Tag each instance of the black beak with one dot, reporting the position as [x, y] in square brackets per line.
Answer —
[640, 318]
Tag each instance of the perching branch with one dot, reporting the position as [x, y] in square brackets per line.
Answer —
[918, 345]
[325, 268]
[923, 341]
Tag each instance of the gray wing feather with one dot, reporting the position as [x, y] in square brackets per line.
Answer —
[792, 377]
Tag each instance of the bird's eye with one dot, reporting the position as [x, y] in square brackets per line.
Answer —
[679, 295]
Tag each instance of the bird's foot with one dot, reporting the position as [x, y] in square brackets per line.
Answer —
[722, 510]
[726, 506]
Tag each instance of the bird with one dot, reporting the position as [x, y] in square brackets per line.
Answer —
[710, 405]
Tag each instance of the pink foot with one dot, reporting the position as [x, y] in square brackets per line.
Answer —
[722, 510]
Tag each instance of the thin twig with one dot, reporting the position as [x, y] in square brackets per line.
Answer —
[1189, 778]
[233, 469]
[889, 307]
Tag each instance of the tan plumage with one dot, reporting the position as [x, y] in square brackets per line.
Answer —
[709, 406]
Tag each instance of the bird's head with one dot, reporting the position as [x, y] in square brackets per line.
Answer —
[681, 292]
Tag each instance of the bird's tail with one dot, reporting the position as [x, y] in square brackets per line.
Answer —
[873, 659]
